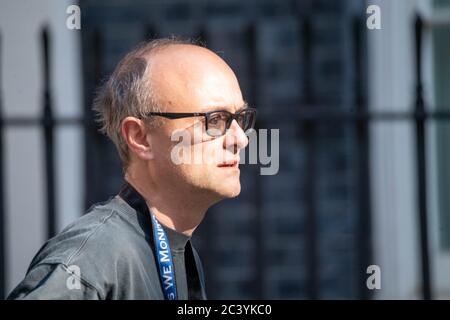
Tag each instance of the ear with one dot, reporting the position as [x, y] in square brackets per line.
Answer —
[136, 136]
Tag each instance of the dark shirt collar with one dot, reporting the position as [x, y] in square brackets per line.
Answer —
[177, 239]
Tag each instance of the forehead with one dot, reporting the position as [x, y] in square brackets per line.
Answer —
[215, 94]
[231, 108]
[194, 79]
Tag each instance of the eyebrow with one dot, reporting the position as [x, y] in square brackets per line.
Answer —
[221, 108]
[245, 106]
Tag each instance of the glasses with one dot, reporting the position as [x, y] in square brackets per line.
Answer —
[217, 122]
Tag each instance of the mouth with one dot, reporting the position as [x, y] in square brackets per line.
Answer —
[229, 164]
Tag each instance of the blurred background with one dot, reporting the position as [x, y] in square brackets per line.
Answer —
[363, 116]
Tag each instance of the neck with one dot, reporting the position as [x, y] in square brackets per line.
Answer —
[175, 209]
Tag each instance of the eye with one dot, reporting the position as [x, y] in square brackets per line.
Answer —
[215, 119]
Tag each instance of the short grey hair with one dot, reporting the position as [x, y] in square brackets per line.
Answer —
[128, 92]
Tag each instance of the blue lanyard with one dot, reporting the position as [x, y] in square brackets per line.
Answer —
[165, 262]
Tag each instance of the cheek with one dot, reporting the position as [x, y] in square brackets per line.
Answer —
[161, 154]
[212, 151]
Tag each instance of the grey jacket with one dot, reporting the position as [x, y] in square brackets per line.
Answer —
[108, 253]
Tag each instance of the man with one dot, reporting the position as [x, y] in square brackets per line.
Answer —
[137, 245]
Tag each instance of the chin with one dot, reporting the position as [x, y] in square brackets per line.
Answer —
[231, 192]
[221, 193]
[220, 188]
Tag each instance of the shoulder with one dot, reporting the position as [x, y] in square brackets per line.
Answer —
[98, 242]
[54, 281]
[98, 224]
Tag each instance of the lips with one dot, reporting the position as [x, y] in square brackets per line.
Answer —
[229, 164]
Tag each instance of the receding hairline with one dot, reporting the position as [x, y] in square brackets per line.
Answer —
[172, 45]
[192, 56]
[156, 58]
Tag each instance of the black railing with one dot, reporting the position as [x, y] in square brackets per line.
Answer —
[421, 165]
[49, 146]
[308, 132]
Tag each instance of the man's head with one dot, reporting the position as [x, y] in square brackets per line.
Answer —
[172, 76]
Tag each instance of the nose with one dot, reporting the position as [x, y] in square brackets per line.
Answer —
[235, 138]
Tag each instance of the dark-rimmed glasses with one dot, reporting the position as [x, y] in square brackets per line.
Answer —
[216, 122]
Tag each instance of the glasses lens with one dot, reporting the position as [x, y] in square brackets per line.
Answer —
[246, 120]
[217, 123]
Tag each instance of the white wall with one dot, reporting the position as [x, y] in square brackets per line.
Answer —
[394, 213]
[22, 74]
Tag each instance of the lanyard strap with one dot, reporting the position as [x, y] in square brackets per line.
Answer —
[165, 261]
[137, 202]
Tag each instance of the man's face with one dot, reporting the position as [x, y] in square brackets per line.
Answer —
[192, 79]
